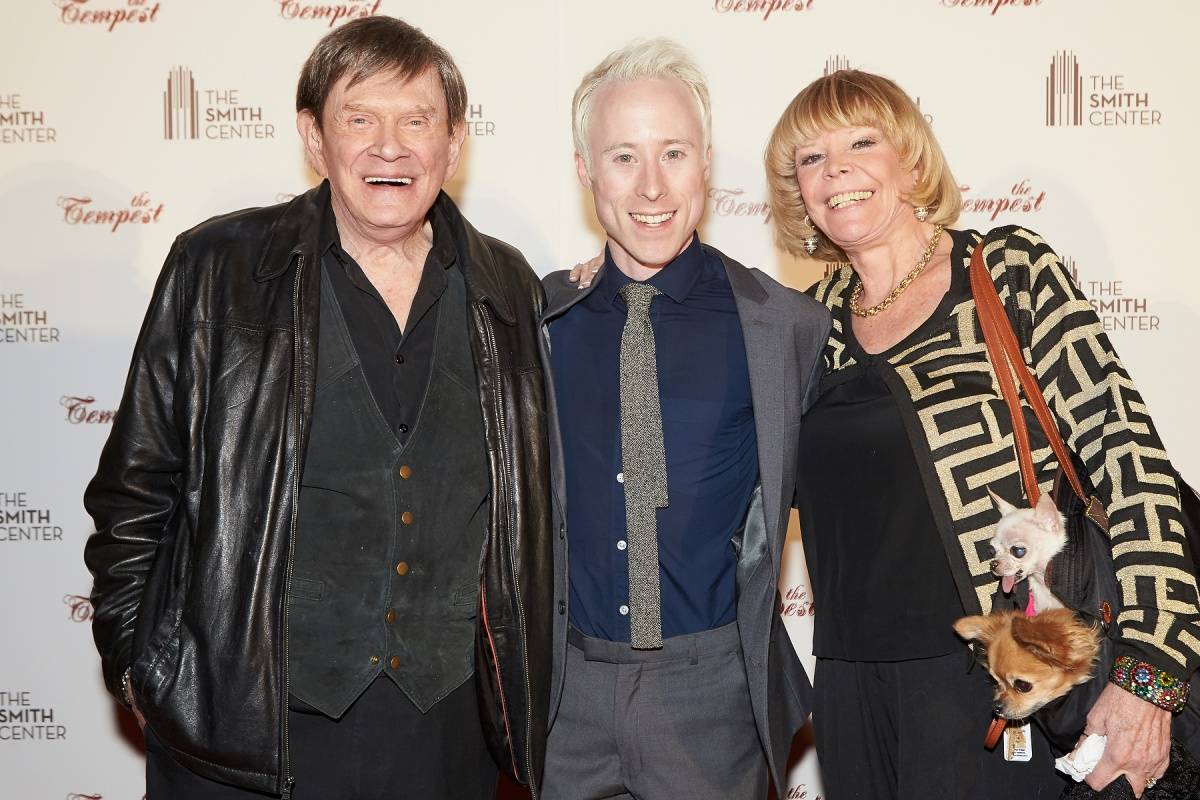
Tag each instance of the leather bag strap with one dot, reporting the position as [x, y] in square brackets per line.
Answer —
[1004, 351]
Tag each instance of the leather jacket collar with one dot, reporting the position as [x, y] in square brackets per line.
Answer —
[296, 231]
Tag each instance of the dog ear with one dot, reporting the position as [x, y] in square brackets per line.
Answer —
[979, 628]
[1003, 506]
[1045, 513]
[1057, 638]
[1037, 636]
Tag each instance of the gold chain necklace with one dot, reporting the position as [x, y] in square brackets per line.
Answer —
[883, 304]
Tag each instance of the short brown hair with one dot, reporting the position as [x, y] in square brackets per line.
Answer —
[372, 45]
[847, 98]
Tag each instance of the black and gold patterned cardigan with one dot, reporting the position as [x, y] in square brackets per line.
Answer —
[962, 438]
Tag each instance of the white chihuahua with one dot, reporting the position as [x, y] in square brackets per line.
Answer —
[1025, 541]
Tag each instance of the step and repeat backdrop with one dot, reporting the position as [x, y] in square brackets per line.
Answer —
[123, 122]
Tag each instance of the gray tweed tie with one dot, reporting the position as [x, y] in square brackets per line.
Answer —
[644, 463]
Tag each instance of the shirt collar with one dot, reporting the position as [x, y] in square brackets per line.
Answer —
[443, 252]
[675, 280]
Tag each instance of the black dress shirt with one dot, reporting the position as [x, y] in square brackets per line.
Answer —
[396, 363]
[708, 432]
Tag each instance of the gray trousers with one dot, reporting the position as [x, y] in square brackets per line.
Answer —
[656, 724]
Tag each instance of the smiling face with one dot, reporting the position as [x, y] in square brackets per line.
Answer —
[648, 172]
[853, 186]
[386, 148]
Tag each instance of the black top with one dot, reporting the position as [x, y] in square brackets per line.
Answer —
[708, 433]
[396, 363]
[877, 565]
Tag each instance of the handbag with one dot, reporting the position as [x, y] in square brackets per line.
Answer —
[1082, 575]
[1181, 781]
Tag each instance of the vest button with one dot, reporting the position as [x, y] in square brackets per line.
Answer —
[562, 606]
[390, 616]
[394, 662]
[402, 568]
[403, 428]
[407, 518]
[374, 659]
[406, 472]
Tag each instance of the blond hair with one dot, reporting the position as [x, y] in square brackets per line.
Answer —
[851, 98]
[653, 58]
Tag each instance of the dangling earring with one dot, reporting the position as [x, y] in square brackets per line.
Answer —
[810, 241]
[921, 213]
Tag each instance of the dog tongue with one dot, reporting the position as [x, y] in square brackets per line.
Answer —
[1007, 583]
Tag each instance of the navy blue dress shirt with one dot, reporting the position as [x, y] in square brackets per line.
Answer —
[708, 433]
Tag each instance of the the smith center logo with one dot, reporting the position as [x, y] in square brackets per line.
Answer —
[26, 718]
[1077, 98]
[26, 520]
[23, 122]
[1119, 307]
[190, 112]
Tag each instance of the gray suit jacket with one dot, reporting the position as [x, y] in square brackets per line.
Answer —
[785, 333]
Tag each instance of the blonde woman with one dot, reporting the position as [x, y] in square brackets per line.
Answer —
[908, 433]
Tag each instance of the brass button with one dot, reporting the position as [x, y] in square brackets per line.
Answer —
[394, 662]
[374, 659]
[402, 568]
[390, 616]
[406, 472]
[406, 518]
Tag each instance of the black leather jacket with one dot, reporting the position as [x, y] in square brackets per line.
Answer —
[194, 499]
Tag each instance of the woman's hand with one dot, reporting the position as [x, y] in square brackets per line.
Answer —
[1139, 739]
[583, 273]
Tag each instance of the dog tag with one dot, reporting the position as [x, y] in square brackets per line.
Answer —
[1018, 743]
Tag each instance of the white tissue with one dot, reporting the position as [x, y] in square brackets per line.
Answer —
[1083, 759]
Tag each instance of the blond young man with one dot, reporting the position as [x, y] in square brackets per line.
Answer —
[678, 381]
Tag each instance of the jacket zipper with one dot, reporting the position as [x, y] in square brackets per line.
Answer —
[289, 782]
[506, 457]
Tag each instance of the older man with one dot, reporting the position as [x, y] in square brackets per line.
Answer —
[324, 505]
[679, 378]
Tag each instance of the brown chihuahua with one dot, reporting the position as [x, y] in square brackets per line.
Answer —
[1032, 659]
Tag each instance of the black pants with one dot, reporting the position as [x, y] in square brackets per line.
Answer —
[382, 747]
[915, 729]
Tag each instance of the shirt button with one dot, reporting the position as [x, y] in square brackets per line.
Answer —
[394, 662]
[562, 606]
[620, 477]
[624, 611]
[403, 428]
[407, 518]
[621, 545]
[390, 616]
[399, 359]
[406, 472]
[402, 568]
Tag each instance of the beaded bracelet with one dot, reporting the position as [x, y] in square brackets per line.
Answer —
[1149, 683]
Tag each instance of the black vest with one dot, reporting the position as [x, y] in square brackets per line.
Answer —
[385, 574]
